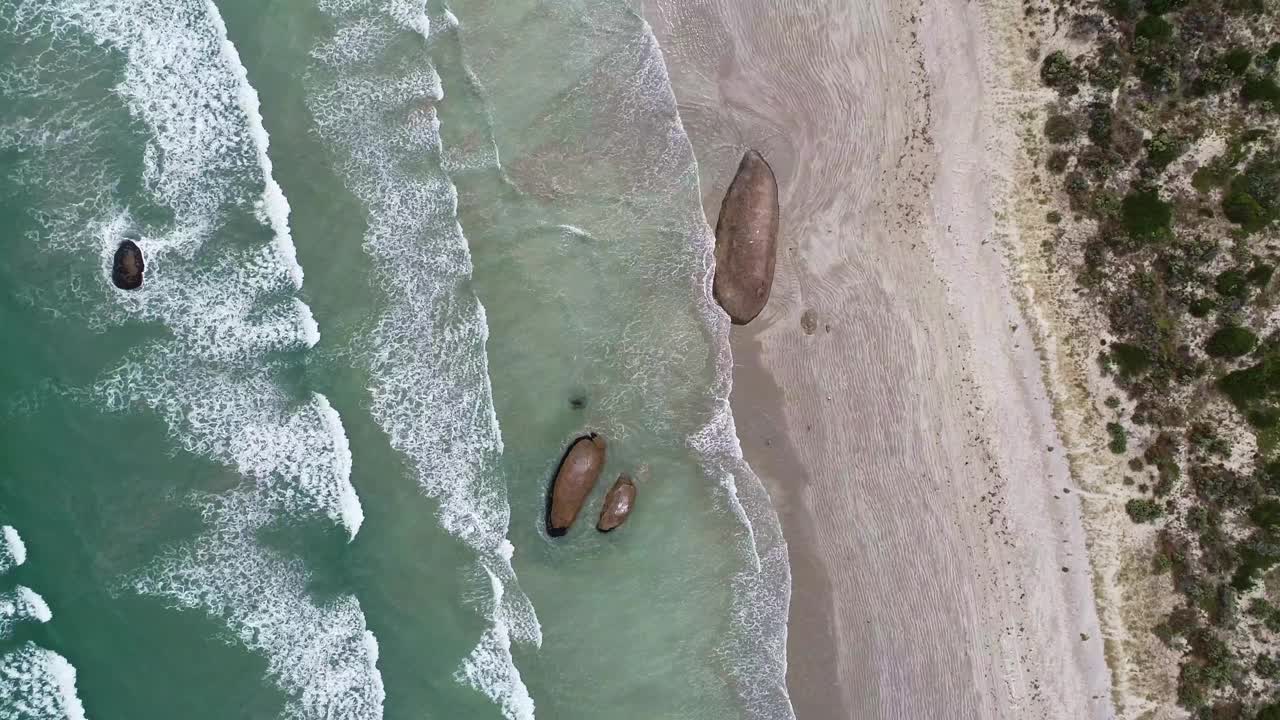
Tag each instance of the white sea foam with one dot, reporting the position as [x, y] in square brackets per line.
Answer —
[207, 159]
[212, 381]
[489, 667]
[38, 684]
[321, 654]
[19, 605]
[13, 552]
[426, 352]
[297, 452]
[755, 649]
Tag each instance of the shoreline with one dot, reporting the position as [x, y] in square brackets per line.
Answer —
[927, 571]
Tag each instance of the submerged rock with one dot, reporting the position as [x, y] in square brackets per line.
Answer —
[127, 267]
[577, 475]
[617, 504]
[746, 240]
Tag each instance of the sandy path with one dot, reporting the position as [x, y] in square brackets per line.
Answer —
[938, 563]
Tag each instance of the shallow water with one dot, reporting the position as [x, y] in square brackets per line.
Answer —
[234, 493]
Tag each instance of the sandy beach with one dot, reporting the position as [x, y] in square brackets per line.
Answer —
[891, 395]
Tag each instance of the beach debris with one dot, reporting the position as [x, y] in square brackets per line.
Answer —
[617, 504]
[127, 266]
[809, 321]
[746, 240]
[577, 475]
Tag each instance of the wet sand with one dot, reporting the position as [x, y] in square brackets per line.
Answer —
[938, 560]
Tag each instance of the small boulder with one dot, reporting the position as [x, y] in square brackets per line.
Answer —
[617, 504]
[577, 475]
[746, 240]
[127, 267]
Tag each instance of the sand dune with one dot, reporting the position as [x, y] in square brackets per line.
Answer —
[890, 394]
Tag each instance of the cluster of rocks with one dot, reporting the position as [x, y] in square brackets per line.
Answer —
[746, 246]
[577, 476]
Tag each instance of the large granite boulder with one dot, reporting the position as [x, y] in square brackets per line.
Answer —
[127, 266]
[746, 240]
[577, 475]
[617, 504]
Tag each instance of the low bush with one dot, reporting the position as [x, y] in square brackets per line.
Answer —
[1162, 149]
[1058, 72]
[1230, 342]
[1259, 89]
[1143, 510]
[1119, 442]
[1244, 210]
[1129, 360]
[1059, 129]
[1146, 217]
[1232, 283]
[1153, 28]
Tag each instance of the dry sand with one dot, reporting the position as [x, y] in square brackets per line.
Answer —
[938, 558]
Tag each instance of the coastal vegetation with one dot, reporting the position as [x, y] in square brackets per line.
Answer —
[1162, 141]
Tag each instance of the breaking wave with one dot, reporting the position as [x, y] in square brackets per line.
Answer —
[228, 306]
[373, 102]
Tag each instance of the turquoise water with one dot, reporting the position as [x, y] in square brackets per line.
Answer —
[301, 473]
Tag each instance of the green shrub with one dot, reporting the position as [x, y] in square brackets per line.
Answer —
[1121, 9]
[1129, 360]
[1266, 667]
[1146, 217]
[1269, 712]
[1231, 342]
[1143, 510]
[1232, 283]
[1119, 438]
[1252, 201]
[1057, 161]
[1058, 72]
[1266, 514]
[1273, 52]
[1162, 149]
[1100, 120]
[1237, 60]
[1245, 386]
[1153, 28]
[1261, 90]
[1059, 129]
[1201, 307]
[1263, 418]
[1053, 217]
[1244, 210]
[1259, 275]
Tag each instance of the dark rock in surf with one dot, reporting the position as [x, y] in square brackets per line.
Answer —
[127, 267]
[617, 504]
[746, 240]
[577, 402]
[577, 475]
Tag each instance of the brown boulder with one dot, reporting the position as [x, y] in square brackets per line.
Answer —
[577, 475]
[127, 266]
[617, 504]
[746, 240]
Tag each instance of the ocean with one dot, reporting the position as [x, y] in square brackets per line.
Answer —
[398, 255]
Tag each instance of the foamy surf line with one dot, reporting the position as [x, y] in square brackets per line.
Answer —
[756, 650]
[13, 552]
[35, 683]
[426, 353]
[38, 684]
[206, 161]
